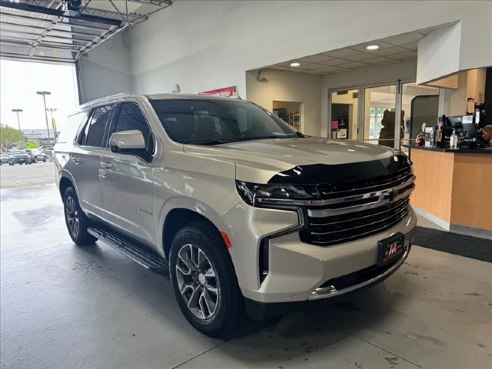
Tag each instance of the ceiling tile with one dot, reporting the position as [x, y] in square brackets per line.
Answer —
[332, 69]
[405, 55]
[352, 65]
[342, 53]
[411, 46]
[317, 58]
[390, 51]
[333, 62]
[361, 56]
[404, 39]
[379, 60]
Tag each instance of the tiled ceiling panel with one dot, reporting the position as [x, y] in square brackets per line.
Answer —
[392, 50]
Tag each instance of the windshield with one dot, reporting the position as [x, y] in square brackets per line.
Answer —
[211, 122]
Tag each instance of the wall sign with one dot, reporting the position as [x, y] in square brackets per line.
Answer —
[221, 92]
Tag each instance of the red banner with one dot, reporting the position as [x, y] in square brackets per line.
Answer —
[221, 92]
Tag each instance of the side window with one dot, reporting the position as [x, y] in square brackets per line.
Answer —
[94, 131]
[71, 126]
[131, 117]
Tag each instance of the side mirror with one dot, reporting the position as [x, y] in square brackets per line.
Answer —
[129, 142]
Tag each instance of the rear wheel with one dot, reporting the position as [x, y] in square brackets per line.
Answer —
[75, 219]
[204, 281]
[45, 159]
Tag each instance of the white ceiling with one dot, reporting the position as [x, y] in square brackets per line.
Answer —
[392, 50]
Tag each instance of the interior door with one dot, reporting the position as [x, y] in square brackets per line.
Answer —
[128, 181]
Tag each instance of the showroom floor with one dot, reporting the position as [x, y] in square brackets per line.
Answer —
[64, 306]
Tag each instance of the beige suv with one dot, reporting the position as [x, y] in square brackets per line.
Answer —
[248, 216]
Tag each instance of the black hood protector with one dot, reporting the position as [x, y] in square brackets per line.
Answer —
[326, 173]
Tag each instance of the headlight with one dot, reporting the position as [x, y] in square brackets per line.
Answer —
[276, 194]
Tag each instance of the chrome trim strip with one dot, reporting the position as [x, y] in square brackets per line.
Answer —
[321, 213]
[358, 235]
[330, 291]
[381, 195]
[400, 214]
[399, 207]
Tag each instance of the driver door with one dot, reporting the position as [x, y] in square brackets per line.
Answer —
[128, 180]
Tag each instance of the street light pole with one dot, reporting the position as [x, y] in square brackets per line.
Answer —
[44, 93]
[18, 122]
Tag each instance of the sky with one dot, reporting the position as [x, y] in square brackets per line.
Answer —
[19, 82]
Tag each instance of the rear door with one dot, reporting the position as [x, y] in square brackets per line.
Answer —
[128, 180]
[85, 159]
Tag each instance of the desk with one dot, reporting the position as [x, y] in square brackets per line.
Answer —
[453, 187]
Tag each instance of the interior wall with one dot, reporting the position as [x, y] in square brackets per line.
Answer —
[106, 69]
[203, 45]
[287, 86]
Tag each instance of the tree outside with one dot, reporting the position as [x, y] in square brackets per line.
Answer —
[10, 137]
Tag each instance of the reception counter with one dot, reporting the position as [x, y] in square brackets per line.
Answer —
[454, 188]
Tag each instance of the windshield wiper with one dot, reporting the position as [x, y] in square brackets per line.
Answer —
[208, 142]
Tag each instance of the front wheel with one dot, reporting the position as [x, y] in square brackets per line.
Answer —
[204, 281]
[75, 219]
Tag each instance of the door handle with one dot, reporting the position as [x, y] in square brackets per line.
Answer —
[106, 165]
[75, 159]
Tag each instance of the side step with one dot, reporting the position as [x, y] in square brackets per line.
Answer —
[147, 259]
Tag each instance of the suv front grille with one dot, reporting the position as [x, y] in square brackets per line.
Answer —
[359, 209]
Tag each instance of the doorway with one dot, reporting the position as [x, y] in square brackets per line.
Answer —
[290, 112]
[380, 115]
[344, 108]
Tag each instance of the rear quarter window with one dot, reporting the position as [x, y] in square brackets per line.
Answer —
[71, 126]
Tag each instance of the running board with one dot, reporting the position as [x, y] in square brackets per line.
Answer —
[147, 259]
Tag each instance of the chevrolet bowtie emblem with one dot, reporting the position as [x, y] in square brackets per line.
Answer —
[388, 195]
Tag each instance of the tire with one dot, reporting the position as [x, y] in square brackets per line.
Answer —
[217, 314]
[45, 159]
[75, 219]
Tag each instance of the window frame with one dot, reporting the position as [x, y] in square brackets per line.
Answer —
[85, 128]
[114, 120]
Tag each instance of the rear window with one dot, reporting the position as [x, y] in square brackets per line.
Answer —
[71, 127]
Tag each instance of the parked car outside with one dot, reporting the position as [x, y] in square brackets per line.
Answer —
[19, 157]
[249, 216]
[4, 159]
[40, 155]
[32, 155]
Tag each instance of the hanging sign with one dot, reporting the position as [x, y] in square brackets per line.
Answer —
[221, 92]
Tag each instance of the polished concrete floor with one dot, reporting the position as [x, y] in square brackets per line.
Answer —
[64, 306]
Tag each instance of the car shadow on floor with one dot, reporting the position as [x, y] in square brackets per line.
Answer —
[323, 327]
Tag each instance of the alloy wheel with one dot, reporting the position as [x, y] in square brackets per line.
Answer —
[197, 281]
[72, 215]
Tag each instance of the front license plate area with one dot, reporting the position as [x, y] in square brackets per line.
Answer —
[391, 248]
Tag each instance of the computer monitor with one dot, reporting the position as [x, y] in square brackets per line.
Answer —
[464, 125]
[455, 122]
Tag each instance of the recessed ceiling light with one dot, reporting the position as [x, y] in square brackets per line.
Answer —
[372, 47]
[295, 64]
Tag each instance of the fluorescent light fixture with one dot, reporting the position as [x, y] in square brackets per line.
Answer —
[295, 64]
[372, 47]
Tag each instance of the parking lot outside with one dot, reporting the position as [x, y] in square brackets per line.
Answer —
[94, 303]
[22, 175]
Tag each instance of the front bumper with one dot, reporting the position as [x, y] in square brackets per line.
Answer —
[261, 310]
[298, 272]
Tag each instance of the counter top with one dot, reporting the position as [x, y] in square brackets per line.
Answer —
[458, 151]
